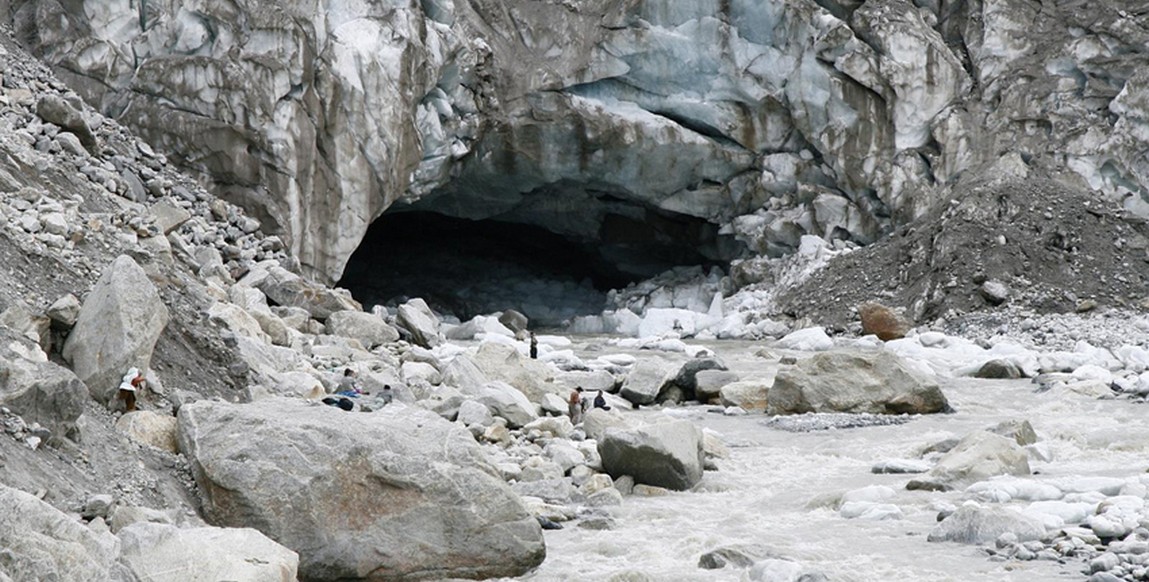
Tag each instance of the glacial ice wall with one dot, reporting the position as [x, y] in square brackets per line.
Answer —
[768, 118]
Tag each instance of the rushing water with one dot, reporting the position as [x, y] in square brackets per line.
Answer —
[776, 491]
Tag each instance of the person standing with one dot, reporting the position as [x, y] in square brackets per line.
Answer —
[574, 405]
[132, 381]
[534, 347]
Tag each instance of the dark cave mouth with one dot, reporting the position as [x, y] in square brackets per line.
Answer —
[467, 267]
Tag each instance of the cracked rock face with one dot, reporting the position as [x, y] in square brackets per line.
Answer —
[769, 119]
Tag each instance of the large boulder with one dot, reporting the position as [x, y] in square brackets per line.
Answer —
[508, 402]
[878, 382]
[416, 317]
[464, 374]
[750, 395]
[290, 290]
[978, 456]
[666, 454]
[55, 109]
[368, 328]
[41, 543]
[597, 421]
[973, 524]
[708, 384]
[164, 553]
[503, 362]
[119, 323]
[686, 377]
[150, 428]
[646, 381]
[882, 321]
[39, 390]
[398, 494]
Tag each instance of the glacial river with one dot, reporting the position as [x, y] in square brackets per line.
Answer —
[771, 492]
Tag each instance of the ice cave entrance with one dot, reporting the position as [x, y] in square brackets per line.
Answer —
[470, 267]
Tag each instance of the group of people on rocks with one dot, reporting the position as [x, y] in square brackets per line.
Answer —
[348, 388]
[577, 404]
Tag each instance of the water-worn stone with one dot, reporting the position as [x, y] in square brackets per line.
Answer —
[998, 369]
[1021, 431]
[119, 323]
[749, 395]
[396, 494]
[165, 553]
[666, 454]
[42, 543]
[878, 382]
[978, 456]
[972, 524]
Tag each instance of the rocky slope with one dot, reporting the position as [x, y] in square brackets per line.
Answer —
[761, 121]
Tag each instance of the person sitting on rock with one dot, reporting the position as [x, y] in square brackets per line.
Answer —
[347, 385]
[132, 381]
[387, 396]
[575, 405]
[600, 401]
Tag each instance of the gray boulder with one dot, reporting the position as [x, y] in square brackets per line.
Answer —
[55, 109]
[39, 390]
[42, 543]
[34, 327]
[667, 454]
[290, 290]
[998, 369]
[508, 402]
[597, 421]
[368, 328]
[396, 494]
[645, 381]
[877, 382]
[117, 328]
[168, 216]
[462, 373]
[503, 362]
[64, 312]
[149, 428]
[416, 317]
[686, 378]
[978, 456]
[514, 320]
[708, 383]
[164, 553]
[749, 395]
[972, 524]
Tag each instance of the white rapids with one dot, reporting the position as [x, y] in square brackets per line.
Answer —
[777, 491]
